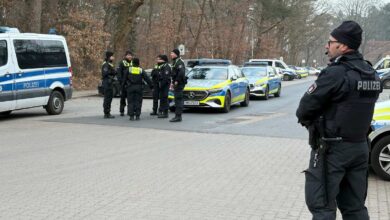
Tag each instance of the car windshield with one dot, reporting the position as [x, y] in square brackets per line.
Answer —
[209, 73]
[254, 71]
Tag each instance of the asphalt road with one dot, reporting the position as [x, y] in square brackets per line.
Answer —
[271, 118]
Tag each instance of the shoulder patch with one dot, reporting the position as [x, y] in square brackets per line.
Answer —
[167, 72]
[105, 69]
[312, 88]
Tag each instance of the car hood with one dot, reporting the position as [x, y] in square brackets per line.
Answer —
[257, 80]
[195, 84]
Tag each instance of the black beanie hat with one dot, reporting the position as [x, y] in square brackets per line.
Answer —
[163, 57]
[348, 33]
[177, 52]
[109, 54]
[128, 52]
[135, 62]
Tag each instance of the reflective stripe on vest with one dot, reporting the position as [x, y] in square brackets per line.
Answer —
[112, 65]
[126, 64]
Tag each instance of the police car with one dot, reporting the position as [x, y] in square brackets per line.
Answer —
[288, 73]
[380, 140]
[214, 84]
[263, 80]
[35, 70]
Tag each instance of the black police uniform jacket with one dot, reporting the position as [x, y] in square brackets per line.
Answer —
[344, 95]
[108, 72]
[161, 74]
[179, 72]
[123, 66]
[137, 77]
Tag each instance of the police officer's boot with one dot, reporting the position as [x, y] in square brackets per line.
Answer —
[163, 114]
[177, 118]
[108, 116]
[137, 118]
[122, 114]
[153, 113]
[131, 118]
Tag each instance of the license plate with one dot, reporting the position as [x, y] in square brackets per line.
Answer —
[191, 102]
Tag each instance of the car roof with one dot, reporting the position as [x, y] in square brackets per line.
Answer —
[206, 61]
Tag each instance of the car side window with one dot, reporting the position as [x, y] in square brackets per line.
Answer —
[28, 54]
[3, 53]
[279, 65]
[53, 53]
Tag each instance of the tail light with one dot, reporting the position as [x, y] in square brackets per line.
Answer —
[71, 76]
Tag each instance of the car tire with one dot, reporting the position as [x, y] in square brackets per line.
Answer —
[286, 77]
[245, 103]
[266, 94]
[55, 105]
[227, 104]
[386, 84]
[6, 113]
[277, 94]
[299, 76]
[381, 148]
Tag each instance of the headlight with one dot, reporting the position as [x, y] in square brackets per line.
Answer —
[214, 91]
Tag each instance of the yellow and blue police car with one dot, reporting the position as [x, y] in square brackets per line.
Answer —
[380, 140]
[263, 80]
[214, 84]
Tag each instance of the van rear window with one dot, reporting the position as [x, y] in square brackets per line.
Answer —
[3, 53]
[32, 54]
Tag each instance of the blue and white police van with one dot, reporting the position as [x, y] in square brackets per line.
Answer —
[35, 71]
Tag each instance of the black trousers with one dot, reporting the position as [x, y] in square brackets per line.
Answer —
[156, 96]
[164, 102]
[108, 95]
[122, 103]
[346, 185]
[179, 101]
[134, 99]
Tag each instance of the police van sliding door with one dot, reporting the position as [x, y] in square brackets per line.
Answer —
[30, 78]
[7, 92]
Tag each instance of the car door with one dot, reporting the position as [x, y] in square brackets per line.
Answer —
[30, 78]
[234, 86]
[242, 81]
[271, 79]
[7, 78]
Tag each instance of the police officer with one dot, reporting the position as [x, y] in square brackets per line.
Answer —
[338, 107]
[179, 81]
[161, 76]
[135, 77]
[123, 66]
[108, 75]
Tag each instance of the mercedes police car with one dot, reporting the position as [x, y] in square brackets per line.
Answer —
[35, 71]
[214, 84]
[263, 80]
[380, 140]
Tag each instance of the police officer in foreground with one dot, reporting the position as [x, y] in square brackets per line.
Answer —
[337, 110]
[161, 77]
[179, 81]
[135, 77]
[121, 71]
[108, 75]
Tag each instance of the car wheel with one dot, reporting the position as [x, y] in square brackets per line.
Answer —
[386, 84]
[6, 113]
[55, 105]
[299, 77]
[286, 77]
[380, 158]
[266, 94]
[226, 106]
[277, 94]
[245, 103]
